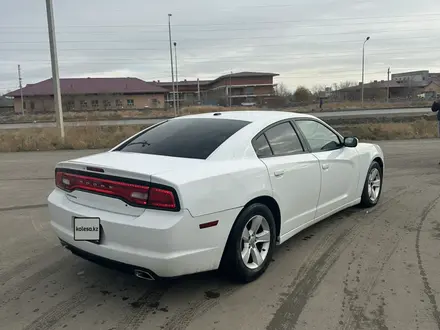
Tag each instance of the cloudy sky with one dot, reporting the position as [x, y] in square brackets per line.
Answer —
[307, 42]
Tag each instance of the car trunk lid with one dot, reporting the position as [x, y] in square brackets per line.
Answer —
[125, 167]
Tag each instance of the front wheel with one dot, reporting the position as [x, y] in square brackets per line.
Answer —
[250, 244]
[372, 186]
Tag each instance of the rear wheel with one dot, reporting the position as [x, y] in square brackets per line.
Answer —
[372, 186]
[250, 244]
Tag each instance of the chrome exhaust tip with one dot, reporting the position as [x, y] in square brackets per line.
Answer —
[143, 275]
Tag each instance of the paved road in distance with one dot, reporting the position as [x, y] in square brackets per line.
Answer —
[323, 115]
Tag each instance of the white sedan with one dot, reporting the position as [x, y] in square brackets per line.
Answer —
[210, 191]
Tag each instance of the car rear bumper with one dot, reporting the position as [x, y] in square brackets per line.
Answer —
[167, 244]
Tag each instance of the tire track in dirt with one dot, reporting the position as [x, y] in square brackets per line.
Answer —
[183, 318]
[35, 278]
[144, 305]
[22, 207]
[7, 275]
[57, 313]
[357, 315]
[288, 314]
[92, 296]
[423, 274]
[352, 318]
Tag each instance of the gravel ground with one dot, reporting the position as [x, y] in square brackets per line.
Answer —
[356, 270]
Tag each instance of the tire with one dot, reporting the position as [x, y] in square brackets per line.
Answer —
[233, 264]
[369, 199]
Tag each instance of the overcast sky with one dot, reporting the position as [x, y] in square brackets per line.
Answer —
[306, 42]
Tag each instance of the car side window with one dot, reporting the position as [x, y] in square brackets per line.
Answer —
[319, 137]
[262, 148]
[283, 140]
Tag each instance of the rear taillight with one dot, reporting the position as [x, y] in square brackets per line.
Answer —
[131, 193]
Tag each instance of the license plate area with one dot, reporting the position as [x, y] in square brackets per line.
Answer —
[87, 229]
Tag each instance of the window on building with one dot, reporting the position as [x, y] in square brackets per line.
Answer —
[32, 105]
[70, 105]
[118, 103]
[83, 104]
[24, 105]
[154, 103]
[130, 103]
[107, 104]
[95, 104]
[249, 91]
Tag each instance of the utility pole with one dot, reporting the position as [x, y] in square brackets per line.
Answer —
[21, 89]
[177, 79]
[55, 72]
[363, 70]
[230, 90]
[171, 59]
[388, 85]
[198, 91]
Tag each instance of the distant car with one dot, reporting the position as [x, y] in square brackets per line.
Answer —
[210, 191]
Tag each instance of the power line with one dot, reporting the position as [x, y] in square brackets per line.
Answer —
[198, 30]
[289, 55]
[240, 38]
[210, 39]
[337, 19]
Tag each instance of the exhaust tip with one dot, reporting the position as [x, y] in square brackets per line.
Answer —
[143, 275]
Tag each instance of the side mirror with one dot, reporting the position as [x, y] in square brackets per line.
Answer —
[351, 141]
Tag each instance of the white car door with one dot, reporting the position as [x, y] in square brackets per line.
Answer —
[294, 174]
[338, 166]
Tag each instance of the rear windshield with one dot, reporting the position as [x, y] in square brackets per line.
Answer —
[188, 138]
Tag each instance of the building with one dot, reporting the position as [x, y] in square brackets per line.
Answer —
[418, 76]
[6, 105]
[406, 85]
[235, 89]
[91, 94]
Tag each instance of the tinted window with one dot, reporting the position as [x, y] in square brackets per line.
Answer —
[319, 137]
[261, 147]
[188, 138]
[283, 140]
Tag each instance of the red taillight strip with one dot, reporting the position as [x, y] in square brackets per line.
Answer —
[71, 182]
[133, 194]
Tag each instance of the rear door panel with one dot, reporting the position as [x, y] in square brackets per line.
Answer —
[296, 182]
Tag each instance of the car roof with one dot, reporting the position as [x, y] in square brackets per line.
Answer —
[238, 146]
[254, 116]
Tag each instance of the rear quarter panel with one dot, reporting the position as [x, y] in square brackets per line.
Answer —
[367, 153]
[218, 185]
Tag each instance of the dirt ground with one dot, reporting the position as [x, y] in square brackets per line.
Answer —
[376, 269]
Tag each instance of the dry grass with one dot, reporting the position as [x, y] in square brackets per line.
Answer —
[419, 129]
[126, 114]
[95, 137]
[43, 139]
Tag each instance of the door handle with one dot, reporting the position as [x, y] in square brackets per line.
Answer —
[278, 173]
[325, 166]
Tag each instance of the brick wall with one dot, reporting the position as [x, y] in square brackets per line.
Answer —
[37, 104]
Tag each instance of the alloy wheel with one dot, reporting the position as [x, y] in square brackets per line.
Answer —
[374, 186]
[255, 242]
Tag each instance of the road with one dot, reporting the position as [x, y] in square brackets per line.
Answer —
[375, 269]
[324, 115]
